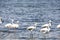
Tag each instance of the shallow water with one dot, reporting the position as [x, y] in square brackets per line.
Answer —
[28, 12]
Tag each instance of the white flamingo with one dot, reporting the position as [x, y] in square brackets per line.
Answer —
[47, 25]
[31, 28]
[12, 25]
[45, 30]
[58, 26]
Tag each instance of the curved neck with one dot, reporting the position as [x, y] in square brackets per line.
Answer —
[50, 23]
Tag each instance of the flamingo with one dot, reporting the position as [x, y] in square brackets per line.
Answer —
[12, 25]
[31, 28]
[47, 25]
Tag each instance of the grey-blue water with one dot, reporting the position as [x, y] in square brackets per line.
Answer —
[28, 12]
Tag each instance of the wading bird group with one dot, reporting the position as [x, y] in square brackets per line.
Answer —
[45, 28]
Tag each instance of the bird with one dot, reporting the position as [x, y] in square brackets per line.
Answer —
[31, 28]
[45, 30]
[47, 25]
[58, 26]
[12, 25]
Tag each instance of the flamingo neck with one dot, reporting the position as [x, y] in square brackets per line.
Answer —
[49, 23]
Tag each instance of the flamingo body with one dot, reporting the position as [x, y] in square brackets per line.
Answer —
[32, 27]
[45, 30]
[9, 25]
[58, 26]
[45, 25]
